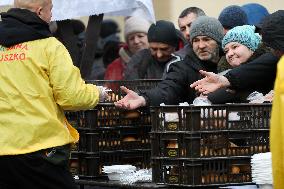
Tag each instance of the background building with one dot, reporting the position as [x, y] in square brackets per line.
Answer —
[170, 9]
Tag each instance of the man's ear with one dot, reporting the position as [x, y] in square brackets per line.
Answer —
[38, 11]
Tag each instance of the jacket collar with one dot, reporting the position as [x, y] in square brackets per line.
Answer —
[198, 64]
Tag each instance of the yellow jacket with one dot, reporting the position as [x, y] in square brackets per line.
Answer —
[277, 128]
[37, 82]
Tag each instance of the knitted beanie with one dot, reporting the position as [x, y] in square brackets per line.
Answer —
[255, 12]
[233, 16]
[244, 35]
[135, 25]
[207, 26]
[163, 32]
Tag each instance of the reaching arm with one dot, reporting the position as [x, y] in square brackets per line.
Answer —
[258, 73]
[210, 83]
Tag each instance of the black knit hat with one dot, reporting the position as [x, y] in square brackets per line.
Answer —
[163, 32]
[273, 30]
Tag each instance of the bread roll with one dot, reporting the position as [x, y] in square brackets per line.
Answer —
[132, 114]
[235, 170]
[129, 139]
[172, 144]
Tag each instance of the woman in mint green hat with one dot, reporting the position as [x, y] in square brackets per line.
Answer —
[241, 45]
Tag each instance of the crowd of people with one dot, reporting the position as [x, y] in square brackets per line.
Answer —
[221, 59]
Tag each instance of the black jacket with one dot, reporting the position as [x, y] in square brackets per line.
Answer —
[258, 74]
[175, 88]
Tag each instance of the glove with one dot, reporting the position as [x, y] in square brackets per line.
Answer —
[103, 93]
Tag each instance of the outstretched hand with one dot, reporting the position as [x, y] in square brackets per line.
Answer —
[131, 101]
[210, 83]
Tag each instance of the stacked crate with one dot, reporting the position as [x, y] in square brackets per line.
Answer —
[110, 136]
[207, 145]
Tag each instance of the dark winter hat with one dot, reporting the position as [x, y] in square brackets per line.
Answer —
[163, 32]
[255, 12]
[207, 26]
[233, 16]
[78, 26]
[273, 30]
[108, 28]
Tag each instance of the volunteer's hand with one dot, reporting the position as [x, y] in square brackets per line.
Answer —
[131, 101]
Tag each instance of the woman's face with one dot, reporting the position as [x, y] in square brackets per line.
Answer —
[237, 54]
[137, 41]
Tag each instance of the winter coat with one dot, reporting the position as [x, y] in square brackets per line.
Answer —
[277, 128]
[257, 74]
[225, 95]
[175, 88]
[38, 81]
[116, 69]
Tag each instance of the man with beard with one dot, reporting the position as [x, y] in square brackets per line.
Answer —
[205, 36]
[151, 63]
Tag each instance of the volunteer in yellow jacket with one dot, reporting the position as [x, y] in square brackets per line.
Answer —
[277, 128]
[38, 82]
[273, 36]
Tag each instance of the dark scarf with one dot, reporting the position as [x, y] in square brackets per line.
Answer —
[21, 25]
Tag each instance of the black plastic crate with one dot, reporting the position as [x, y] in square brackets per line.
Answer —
[209, 144]
[74, 118]
[89, 165]
[85, 165]
[211, 118]
[114, 138]
[107, 115]
[74, 164]
[206, 172]
[139, 158]
[114, 85]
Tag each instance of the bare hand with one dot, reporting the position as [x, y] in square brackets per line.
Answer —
[131, 101]
[211, 82]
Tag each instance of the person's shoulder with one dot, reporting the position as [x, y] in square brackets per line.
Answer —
[182, 53]
[117, 62]
[177, 64]
[49, 43]
[175, 59]
[265, 58]
[140, 56]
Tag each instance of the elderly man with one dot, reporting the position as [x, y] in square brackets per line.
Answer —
[38, 82]
[205, 35]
